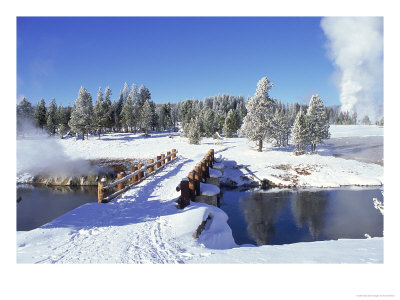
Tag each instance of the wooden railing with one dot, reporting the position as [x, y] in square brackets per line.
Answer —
[190, 187]
[137, 175]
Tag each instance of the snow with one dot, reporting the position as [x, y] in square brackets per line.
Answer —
[215, 173]
[339, 131]
[144, 226]
[208, 189]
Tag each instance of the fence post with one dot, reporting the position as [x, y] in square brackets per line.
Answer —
[185, 193]
[151, 169]
[212, 155]
[207, 164]
[100, 190]
[120, 186]
[140, 175]
[159, 163]
[169, 158]
[197, 178]
[203, 169]
[192, 189]
[163, 160]
[135, 177]
[174, 155]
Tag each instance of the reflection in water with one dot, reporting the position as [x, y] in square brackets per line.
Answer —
[309, 209]
[260, 211]
[39, 205]
[281, 217]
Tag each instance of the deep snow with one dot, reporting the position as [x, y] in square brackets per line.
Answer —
[143, 225]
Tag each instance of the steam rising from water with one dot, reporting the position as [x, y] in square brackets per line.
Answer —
[355, 45]
[41, 155]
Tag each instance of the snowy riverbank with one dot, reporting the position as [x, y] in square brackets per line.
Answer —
[143, 226]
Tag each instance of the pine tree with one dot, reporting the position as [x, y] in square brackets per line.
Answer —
[100, 111]
[231, 124]
[125, 91]
[51, 117]
[366, 121]
[82, 112]
[282, 126]
[258, 124]
[62, 120]
[317, 122]
[108, 107]
[25, 115]
[40, 114]
[194, 131]
[207, 122]
[300, 133]
[127, 113]
[147, 117]
[117, 111]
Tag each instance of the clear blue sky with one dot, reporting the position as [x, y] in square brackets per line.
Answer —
[177, 58]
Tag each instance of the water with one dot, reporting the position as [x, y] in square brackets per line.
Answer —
[40, 204]
[277, 217]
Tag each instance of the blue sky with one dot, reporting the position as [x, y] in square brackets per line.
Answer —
[177, 58]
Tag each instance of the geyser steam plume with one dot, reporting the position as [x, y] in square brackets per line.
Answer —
[355, 45]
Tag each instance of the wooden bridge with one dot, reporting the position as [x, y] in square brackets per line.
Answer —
[138, 174]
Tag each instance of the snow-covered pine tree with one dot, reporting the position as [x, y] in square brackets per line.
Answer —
[117, 111]
[207, 122]
[82, 112]
[154, 116]
[300, 134]
[231, 124]
[108, 107]
[128, 114]
[125, 91]
[281, 130]
[194, 131]
[146, 117]
[100, 111]
[51, 120]
[25, 113]
[258, 123]
[40, 114]
[366, 121]
[317, 121]
[62, 120]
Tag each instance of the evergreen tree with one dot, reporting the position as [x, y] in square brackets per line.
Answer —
[82, 112]
[366, 121]
[25, 116]
[117, 111]
[40, 114]
[108, 108]
[282, 126]
[51, 119]
[147, 117]
[100, 111]
[231, 124]
[193, 131]
[207, 122]
[300, 133]
[125, 91]
[25, 109]
[127, 114]
[317, 122]
[62, 118]
[258, 123]
[153, 115]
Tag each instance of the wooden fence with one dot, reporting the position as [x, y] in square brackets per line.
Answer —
[190, 187]
[137, 175]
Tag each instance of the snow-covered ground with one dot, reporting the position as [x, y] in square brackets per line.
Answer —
[143, 225]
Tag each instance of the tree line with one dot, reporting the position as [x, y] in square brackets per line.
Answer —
[133, 111]
[260, 118]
